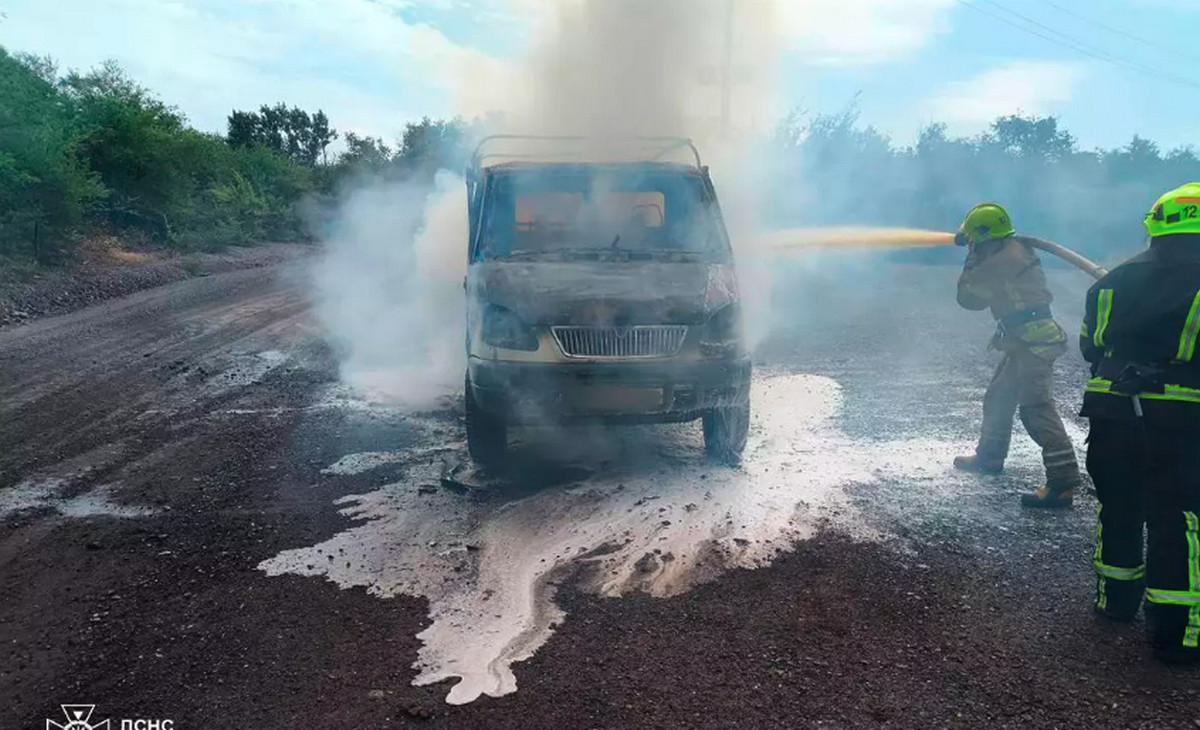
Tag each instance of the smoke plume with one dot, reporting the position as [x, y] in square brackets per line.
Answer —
[389, 289]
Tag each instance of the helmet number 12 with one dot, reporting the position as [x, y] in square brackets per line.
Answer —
[1189, 211]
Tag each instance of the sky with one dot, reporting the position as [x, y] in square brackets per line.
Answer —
[1109, 69]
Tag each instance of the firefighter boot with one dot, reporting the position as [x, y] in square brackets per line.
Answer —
[976, 465]
[1049, 498]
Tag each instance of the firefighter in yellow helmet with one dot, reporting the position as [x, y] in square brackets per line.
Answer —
[1003, 273]
[1140, 335]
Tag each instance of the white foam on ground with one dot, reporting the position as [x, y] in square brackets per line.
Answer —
[352, 464]
[652, 515]
[1025, 452]
[39, 494]
[250, 369]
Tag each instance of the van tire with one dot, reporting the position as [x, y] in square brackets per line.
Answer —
[487, 435]
[725, 432]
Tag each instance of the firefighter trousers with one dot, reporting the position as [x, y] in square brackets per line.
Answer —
[1149, 478]
[1024, 381]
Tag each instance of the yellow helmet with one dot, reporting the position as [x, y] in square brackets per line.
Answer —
[1175, 212]
[985, 222]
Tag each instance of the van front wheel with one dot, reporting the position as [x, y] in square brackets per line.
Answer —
[487, 435]
[725, 431]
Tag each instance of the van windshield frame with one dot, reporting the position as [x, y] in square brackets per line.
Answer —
[599, 212]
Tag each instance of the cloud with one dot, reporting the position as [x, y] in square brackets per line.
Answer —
[371, 69]
[862, 32]
[1023, 86]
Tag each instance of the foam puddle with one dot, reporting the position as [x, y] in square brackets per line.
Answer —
[649, 514]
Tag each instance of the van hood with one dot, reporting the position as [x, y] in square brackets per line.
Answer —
[596, 294]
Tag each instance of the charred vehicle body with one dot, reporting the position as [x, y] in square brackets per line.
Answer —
[600, 288]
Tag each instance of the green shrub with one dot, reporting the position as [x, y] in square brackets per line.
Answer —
[45, 186]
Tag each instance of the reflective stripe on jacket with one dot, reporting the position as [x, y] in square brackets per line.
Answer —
[1147, 312]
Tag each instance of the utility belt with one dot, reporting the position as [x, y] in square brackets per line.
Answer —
[1165, 395]
[1032, 328]
[1023, 316]
[1129, 378]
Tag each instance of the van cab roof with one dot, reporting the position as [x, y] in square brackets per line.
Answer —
[592, 167]
[517, 151]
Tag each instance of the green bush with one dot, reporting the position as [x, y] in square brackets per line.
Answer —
[206, 192]
[97, 148]
[45, 186]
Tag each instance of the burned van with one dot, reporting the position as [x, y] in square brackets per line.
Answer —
[600, 288]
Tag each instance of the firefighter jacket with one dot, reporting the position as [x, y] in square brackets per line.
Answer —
[1006, 276]
[1146, 313]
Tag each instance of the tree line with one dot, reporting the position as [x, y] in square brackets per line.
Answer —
[831, 170]
[79, 151]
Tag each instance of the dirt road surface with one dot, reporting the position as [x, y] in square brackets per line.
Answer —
[198, 523]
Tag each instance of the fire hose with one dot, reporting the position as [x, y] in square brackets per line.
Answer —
[1080, 262]
[853, 237]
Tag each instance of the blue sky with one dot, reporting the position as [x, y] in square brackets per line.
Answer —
[374, 64]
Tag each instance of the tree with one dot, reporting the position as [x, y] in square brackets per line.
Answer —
[1136, 160]
[1032, 137]
[365, 153]
[44, 67]
[946, 173]
[322, 135]
[243, 129]
[291, 131]
[430, 145]
[129, 139]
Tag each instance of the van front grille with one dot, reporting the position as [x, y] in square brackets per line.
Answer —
[620, 343]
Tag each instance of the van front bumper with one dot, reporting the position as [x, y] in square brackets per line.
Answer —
[618, 392]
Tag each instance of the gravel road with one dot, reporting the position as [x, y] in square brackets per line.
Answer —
[198, 523]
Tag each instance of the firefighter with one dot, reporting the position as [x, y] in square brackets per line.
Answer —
[1003, 273]
[1143, 402]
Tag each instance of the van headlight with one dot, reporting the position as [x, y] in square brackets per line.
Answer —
[504, 329]
[722, 333]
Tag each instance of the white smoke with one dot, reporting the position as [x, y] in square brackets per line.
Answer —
[389, 289]
[392, 301]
